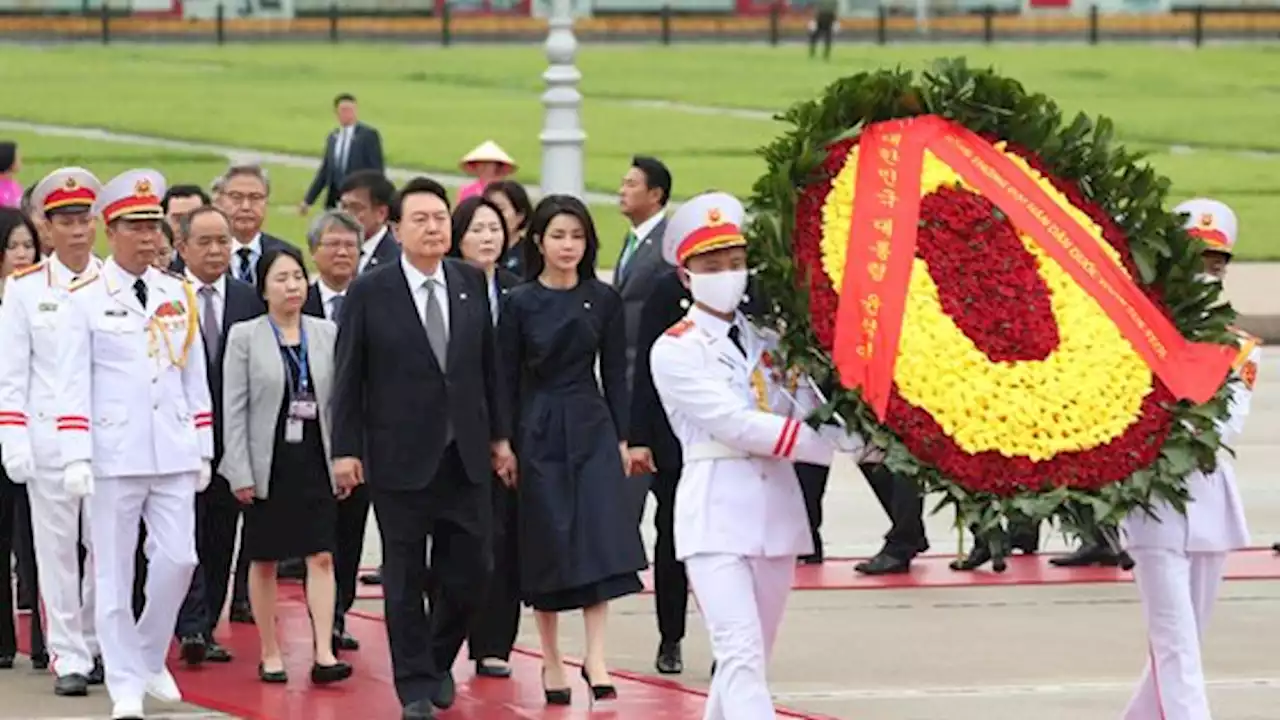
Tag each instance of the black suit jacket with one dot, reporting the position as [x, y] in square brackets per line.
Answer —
[365, 153]
[392, 403]
[667, 304]
[268, 242]
[386, 251]
[242, 303]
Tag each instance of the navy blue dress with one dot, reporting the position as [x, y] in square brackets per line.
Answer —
[579, 540]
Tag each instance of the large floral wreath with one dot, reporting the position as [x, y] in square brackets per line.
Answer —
[1012, 391]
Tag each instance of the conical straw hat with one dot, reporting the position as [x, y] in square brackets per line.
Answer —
[488, 151]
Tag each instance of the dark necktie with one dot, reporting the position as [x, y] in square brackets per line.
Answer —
[246, 267]
[140, 291]
[735, 334]
[335, 307]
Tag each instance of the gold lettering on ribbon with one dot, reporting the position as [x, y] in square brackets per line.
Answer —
[1059, 235]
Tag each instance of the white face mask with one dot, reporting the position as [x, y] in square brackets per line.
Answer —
[720, 291]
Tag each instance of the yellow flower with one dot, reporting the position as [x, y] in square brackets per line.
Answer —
[1084, 394]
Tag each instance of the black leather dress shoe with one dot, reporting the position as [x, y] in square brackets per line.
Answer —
[193, 650]
[40, 661]
[73, 685]
[980, 555]
[669, 660]
[810, 559]
[418, 710]
[215, 653]
[98, 675]
[491, 669]
[241, 613]
[6, 661]
[373, 578]
[342, 640]
[327, 674]
[884, 564]
[1276, 547]
[1085, 556]
[446, 694]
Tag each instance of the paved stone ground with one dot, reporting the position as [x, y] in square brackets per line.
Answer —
[1071, 652]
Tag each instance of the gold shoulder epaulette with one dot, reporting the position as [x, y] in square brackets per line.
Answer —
[680, 328]
[28, 270]
[82, 283]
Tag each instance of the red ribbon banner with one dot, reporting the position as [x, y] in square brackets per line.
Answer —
[879, 254]
[882, 244]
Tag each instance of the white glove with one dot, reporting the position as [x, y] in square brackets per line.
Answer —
[77, 479]
[205, 477]
[19, 465]
[843, 440]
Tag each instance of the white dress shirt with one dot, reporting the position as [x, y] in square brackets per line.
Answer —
[417, 286]
[342, 147]
[369, 246]
[643, 229]
[219, 294]
[327, 294]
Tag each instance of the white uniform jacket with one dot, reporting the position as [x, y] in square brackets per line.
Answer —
[30, 316]
[133, 395]
[1215, 520]
[740, 435]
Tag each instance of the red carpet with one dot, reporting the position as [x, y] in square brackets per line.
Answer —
[932, 571]
[234, 688]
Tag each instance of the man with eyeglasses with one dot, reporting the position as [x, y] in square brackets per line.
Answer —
[367, 196]
[243, 192]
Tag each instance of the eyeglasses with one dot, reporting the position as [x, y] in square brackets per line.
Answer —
[252, 199]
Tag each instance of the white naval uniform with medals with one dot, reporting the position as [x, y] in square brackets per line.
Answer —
[1179, 562]
[30, 318]
[740, 519]
[135, 404]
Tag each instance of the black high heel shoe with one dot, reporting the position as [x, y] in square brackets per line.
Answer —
[599, 692]
[556, 696]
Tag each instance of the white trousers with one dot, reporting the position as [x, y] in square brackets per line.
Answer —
[59, 523]
[742, 600]
[133, 652]
[1178, 591]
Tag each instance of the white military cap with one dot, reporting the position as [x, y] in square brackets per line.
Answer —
[707, 222]
[68, 189]
[132, 195]
[1211, 221]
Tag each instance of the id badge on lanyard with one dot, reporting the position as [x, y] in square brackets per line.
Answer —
[302, 401]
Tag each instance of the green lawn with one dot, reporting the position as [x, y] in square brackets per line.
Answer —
[434, 104]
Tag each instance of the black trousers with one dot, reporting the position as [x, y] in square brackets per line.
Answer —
[240, 586]
[824, 26]
[13, 507]
[353, 518]
[670, 584]
[813, 485]
[457, 515]
[494, 626]
[217, 514]
[903, 503]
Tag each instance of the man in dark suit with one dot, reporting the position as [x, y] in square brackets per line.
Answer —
[367, 196]
[352, 147]
[243, 193]
[204, 243]
[642, 199]
[417, 413]
[334, 239]
[655, 448]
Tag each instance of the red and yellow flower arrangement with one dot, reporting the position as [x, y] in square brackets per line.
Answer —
[998, 300]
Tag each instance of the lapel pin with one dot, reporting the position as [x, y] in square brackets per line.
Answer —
[587, 304]
[462, 296]
[684, 303]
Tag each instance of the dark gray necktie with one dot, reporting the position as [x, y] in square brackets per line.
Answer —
[246, 266]
[434, 321]
[209, 324]
[335, 307]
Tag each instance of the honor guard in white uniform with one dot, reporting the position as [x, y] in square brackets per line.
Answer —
[740, 519]
[30, 318]
[135, 430]
[1180, 558]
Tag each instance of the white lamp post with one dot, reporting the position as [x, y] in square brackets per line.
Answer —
[562, 135]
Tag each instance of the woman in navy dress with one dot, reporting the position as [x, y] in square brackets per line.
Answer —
[579, 543]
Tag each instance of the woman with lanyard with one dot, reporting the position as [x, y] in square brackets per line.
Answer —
[277, 376]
